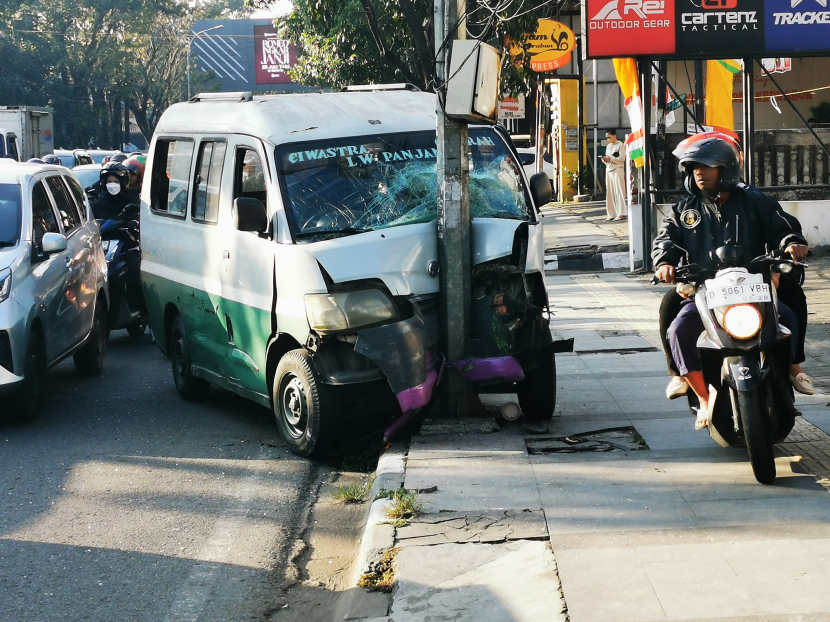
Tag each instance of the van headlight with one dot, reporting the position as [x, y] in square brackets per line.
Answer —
[348, 310]
[5, 283]
[742, 321]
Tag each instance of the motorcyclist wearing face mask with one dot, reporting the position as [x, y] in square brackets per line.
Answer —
[113, 196]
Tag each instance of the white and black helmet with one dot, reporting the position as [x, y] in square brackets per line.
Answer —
[715, 149]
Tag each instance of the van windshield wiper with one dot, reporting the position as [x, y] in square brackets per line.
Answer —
[344, 231]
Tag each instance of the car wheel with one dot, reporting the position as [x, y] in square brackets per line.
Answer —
[189, 386]
[137, 328]
[89, 360]
[537, 392]
[30, 394]
[303, 405]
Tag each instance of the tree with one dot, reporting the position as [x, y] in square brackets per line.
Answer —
[85, 57]
[346, 42]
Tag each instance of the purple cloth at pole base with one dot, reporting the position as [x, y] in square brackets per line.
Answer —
[504, 368]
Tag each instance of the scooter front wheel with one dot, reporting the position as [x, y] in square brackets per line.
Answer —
[757, 433]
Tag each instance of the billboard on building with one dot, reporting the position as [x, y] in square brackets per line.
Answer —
[243, 55]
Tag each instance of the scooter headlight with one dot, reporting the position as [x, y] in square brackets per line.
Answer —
[742, 321]
[348, 310]
[5, 283]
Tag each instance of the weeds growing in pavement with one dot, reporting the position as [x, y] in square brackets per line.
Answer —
[405, 505]
[353, 493]
[381, 575]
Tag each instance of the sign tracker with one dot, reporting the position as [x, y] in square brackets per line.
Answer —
[705, 28]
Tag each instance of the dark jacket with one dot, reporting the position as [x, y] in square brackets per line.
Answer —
[105, 205]
[699, 228]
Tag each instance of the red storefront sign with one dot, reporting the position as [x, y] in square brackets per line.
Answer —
[629, 27]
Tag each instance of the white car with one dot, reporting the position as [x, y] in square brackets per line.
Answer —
[53, 282]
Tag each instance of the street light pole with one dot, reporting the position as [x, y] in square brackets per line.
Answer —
[190, 38]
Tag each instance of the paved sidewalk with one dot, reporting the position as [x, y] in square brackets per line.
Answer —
[653, 521]
[570, 227]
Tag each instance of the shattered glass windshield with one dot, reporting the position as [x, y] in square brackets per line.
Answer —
[346, 186]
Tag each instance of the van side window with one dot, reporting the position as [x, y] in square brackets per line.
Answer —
[43, 218]
[171, 176]
[66, 206]
[249, 176]
[209, 175]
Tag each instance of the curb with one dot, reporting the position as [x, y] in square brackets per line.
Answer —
[579, 261]
[378, 537]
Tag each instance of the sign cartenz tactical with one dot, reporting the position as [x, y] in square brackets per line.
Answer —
[706, 28]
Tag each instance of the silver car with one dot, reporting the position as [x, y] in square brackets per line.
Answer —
[53, 282]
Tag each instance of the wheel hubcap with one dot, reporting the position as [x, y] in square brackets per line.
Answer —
[293, 405]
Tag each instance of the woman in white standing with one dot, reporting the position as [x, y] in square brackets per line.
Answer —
[615, 177]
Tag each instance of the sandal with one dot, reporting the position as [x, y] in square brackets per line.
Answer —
[703, 421]
[803, 384]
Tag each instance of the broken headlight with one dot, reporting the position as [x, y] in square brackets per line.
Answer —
[348, 310]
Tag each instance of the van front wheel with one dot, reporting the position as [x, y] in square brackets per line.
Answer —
[303, 405]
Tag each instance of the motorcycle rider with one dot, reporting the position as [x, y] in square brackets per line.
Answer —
[719, 211]
[135, 167]
[113, 196]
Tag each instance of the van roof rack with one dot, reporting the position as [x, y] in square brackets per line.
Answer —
[235, 96]
[398, 86]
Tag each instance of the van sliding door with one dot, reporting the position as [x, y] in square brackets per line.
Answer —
[248, 270]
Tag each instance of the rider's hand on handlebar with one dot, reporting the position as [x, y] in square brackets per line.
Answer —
[797, 251]
[665, 273]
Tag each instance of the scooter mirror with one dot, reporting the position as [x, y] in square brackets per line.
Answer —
[131, 208]
[729, 255]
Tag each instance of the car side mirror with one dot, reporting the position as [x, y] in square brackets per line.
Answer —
[249, 215]
[540, 189]
[53, 243]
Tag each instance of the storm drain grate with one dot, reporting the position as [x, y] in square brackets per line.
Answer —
[598, 441]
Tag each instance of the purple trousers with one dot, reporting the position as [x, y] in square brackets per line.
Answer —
[687, 326]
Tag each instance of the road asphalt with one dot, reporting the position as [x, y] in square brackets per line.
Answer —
[617, 510]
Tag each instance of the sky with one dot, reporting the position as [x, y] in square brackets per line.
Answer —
[277, 8]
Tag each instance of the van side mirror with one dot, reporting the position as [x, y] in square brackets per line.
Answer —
[540, 189]
[53, 243]
[249, 215]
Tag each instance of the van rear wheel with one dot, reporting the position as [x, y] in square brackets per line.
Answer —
[189, 386]
[303, 405]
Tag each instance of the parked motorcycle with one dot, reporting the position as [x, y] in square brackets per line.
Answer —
[121, 242]
[744, 352]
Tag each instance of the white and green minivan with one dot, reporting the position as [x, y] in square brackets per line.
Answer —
[289, 255]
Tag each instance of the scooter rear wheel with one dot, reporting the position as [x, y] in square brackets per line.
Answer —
[757, 433]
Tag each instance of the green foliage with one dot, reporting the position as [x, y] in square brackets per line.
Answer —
[343, 42]
[84, 57]
[353, 493]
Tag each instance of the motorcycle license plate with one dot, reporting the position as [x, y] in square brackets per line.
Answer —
[723, 294]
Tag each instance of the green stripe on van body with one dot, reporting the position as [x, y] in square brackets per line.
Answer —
[241, 365]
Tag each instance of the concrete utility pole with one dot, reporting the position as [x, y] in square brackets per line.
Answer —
[454, 249]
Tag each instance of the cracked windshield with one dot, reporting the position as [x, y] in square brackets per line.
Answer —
[340, 187]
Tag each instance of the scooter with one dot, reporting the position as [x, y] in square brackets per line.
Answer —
[121, 237]
[744, 352]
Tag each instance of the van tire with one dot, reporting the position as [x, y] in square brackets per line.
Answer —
[89, 360]
[303, 405]
[189, 386]
[29, 396]
[537, 392]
